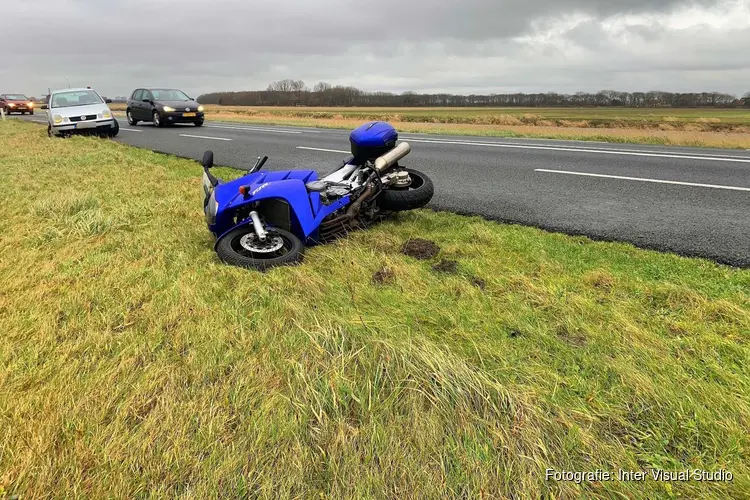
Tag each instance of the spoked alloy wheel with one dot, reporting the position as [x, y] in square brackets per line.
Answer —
[241, 247]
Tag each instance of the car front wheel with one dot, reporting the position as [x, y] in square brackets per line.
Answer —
[157, 119]
[115, 129]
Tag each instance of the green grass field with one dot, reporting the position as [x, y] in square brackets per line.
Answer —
[134, 364]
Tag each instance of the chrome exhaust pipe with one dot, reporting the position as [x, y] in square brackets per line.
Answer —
[258, 226]
[391, 157]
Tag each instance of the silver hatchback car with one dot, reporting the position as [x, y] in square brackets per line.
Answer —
[79, 111]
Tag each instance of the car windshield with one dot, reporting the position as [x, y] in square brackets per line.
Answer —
[169, 95]
[75, 98]
[16, 97]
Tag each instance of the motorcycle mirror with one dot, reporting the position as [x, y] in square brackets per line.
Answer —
[208, 159]
[263, 162]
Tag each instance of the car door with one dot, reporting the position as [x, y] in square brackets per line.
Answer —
[136, 106]
[148, 107]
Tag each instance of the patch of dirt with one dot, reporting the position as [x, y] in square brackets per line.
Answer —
[383, 277]
[479, 283]
[446, 266]
[574, 338]
[601, 280]
[514, 334]
[420, 249]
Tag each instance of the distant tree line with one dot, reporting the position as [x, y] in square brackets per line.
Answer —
[296, 93]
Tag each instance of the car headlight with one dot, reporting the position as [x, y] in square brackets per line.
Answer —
[168, 109]
[200, 109]
[11, 105]
[58, 119]
[107, 114]
[31, 104]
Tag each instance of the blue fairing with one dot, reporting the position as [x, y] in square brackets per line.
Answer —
[306, 208]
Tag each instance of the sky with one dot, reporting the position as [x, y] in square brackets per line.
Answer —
[454, 46]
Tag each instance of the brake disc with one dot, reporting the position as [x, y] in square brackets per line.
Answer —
[251, 243]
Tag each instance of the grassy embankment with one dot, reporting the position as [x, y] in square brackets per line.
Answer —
[134, 363]
[724, 128]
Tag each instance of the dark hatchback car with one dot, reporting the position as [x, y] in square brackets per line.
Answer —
[162, 107]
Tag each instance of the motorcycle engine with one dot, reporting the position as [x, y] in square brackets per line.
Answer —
[337, 191]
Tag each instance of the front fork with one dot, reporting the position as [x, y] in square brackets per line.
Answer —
[259, 230]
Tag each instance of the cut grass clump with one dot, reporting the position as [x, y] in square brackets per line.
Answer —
[135, 364]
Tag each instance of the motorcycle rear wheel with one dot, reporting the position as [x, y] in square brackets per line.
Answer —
[417, 195]
[231, 250]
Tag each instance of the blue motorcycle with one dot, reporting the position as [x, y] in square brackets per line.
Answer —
[266, 218]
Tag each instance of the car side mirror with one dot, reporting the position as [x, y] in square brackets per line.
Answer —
[44, 106]
[107, 100]
[146, 100]
[208, 159]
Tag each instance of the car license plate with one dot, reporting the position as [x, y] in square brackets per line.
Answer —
[91, 124]
[186, 115]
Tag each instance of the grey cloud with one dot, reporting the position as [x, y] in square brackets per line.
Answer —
[452, 45]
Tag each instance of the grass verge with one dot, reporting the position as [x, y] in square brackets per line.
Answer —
[134, 364]
[717, 128]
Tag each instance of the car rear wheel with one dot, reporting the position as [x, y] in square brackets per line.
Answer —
[131, 121]
[157, 119]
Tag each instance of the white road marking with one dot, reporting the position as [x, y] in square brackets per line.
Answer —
[640, 179]
[130, 129]
[680, 156]
[581, 145]
[254, 129]
[260, 129]
[325, 150]
[205, 137]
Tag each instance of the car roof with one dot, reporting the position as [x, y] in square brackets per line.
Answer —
[70, 90]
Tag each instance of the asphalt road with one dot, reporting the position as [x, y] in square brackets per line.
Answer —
[690, 201]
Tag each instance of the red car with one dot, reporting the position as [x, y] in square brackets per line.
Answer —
[16, 103]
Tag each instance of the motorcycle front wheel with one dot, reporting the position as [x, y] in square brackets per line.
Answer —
[241, 247]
